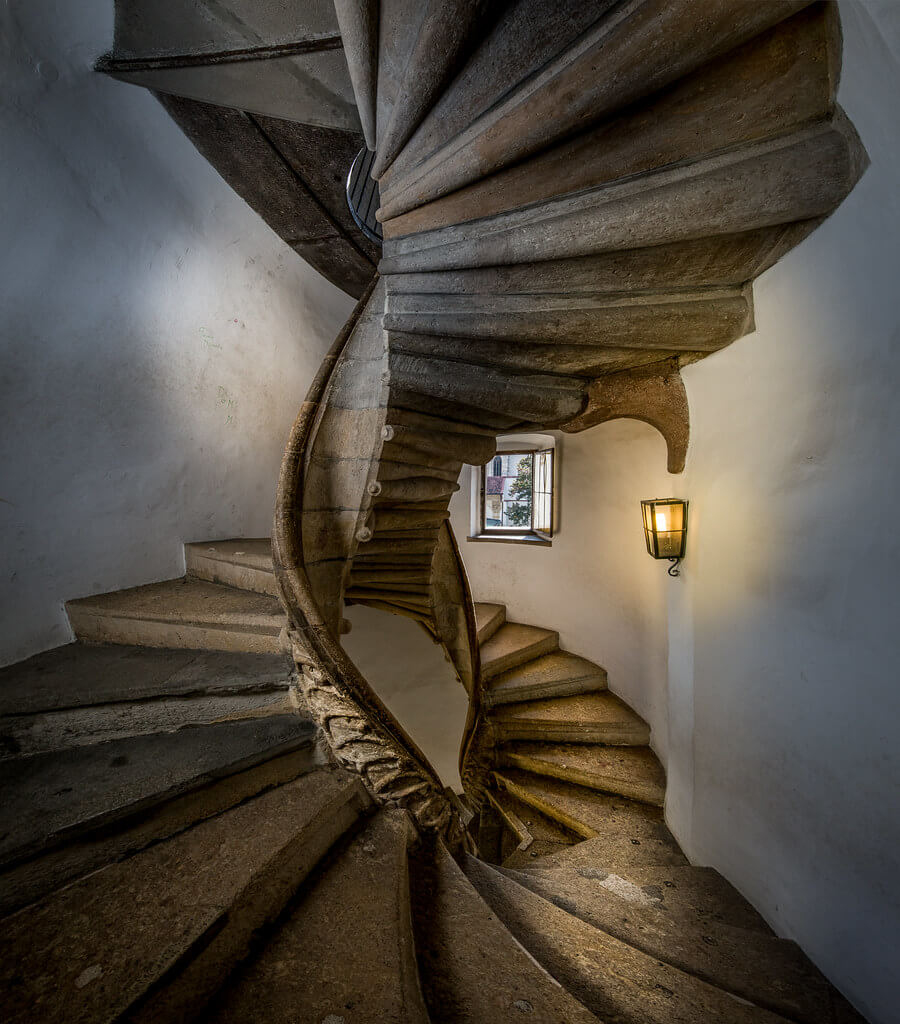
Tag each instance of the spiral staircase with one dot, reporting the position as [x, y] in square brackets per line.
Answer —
[575, 201]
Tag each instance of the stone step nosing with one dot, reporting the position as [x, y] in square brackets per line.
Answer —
[572, 732]
[570, 687]
[546, 807]
[521, 656]
[29, 874]
[650, 793]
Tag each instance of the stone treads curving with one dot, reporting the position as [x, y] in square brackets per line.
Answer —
[576, 199]
[224, 872]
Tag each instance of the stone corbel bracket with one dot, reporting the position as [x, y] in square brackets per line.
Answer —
[654, 394]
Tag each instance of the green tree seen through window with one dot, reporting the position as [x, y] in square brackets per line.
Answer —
[519, 514]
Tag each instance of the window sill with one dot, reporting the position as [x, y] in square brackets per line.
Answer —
[518, 538]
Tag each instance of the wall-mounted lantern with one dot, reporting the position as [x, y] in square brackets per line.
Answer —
[665, 529]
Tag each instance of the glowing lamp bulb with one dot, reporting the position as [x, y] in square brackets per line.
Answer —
[661, 522]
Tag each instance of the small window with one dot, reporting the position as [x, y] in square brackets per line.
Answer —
[516, 496]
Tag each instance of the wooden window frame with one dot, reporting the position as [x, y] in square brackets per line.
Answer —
[527, 535]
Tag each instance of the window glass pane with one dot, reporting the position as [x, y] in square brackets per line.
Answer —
[508, 493]
[543, 491]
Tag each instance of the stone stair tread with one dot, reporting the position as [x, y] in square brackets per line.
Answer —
[513, 644]
[354, 923]
[700, 890]
[49, 731]
[254, 552]
[730, 958]
[542, 835]
[236, 562]
[632, 772]
[184, 600]
[181, 613]
[57, 797]
[472, 970]
[78, 675]
[614, 980]
[634, 832]
[584, 718]
[559, 674]
[153, 936]
[489, 618]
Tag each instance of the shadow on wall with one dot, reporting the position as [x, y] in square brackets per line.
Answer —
[157, 337]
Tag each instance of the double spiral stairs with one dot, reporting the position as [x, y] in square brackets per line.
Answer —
[211, 815]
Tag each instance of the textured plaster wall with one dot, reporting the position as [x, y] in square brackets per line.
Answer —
[157, 338]
[596, 584]
[784, 703]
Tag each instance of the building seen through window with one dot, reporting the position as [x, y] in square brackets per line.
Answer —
[517, 493]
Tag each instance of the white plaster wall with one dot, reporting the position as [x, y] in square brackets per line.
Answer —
[784, 761]
[157, 338]
[596, 584]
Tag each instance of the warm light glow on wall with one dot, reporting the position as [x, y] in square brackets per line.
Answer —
[665, 529]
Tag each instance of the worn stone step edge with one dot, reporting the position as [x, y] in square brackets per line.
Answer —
[728, 957]
[174, 981]
[646, 791]
[493, 666]
[26, 735]
[201, 563]
[103, 628]
[610, 977]
[520, 722]
[337, 877]
[183, 994]
[508, 691]
[28, 874]
[489, 617]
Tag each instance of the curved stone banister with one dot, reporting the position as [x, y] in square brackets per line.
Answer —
[363, 734]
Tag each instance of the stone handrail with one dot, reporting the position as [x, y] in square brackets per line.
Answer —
[364, 735]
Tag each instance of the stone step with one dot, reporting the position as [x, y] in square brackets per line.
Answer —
[515, 644]
[185, 613]
[49, 731]
[488, 619]
[700, 892]
[153, 937]
[243, 563]
[78, 694]
[585, 718]
[635, 833]
[614, 980]
[69, 812]
[559, 674]
[728, 957]
[472, 970]
[354, 924]
[79, 676]
[535, 834]
[632, 772]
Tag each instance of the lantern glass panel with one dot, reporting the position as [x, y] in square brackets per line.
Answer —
[665, 522]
